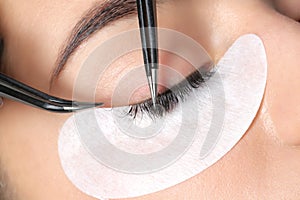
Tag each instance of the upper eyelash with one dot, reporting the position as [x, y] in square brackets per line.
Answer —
[169, 99]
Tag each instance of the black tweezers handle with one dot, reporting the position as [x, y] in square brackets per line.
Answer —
[16, 84]
[18, 91]
[24, 98]
[148, 31]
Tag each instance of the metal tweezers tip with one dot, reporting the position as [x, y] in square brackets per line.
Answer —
[76, 106]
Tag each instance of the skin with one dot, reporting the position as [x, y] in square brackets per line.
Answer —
[265, 164]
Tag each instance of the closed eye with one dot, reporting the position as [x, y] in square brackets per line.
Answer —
[168, 101]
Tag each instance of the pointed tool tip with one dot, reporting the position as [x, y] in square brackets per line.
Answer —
[154, 85]
[99, 104]
[83, 105]
[87, 104]
[153, 95]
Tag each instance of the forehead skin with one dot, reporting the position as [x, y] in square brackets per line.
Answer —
[265, 164]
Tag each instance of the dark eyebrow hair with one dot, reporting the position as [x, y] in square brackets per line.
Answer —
[96, 18]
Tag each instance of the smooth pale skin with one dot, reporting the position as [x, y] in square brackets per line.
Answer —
[265, 164]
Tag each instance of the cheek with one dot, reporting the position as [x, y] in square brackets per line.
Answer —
[283, 103]
[28, 141]
[282, 94]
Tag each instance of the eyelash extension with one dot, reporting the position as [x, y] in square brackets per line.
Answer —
[167, 101]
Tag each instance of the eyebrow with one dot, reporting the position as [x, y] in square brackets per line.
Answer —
[95, 19]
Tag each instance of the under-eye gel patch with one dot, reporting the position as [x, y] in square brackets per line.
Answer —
[106, 154]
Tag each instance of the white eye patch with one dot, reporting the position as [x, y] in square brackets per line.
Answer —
[106, 154]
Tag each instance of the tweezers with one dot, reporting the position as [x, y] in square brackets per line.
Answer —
[15, 90]
[148, 29]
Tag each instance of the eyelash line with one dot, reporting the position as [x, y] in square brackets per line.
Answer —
[168, 100]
